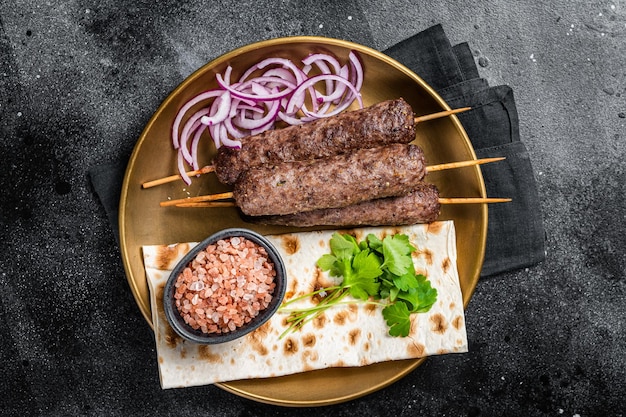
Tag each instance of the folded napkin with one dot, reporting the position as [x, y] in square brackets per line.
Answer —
[515, 237]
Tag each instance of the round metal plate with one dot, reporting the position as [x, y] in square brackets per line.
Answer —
[143, 222]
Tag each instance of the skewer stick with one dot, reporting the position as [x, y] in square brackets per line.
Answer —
[198, 199]
[437, 115]
[209, 168]
[153, 183]
[229, 195]
[472, 200]
[453, 200]
[208, 204]
[460, 164]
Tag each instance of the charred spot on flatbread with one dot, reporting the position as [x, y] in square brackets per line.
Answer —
[317, 284]
[435, 227]
[439, 324]
[257, 337]
[291, 244]
[290, 346]
[370, 309]
[310, 355]
[171, 338]
[292, 285]
[339, 364]
[428, 255]
[260, 348]
[424, 253]
[205, 353]
[457, 322]
[159, 305]
[353, 336]
[416, 349]
[340, 318]
[320, 321]
[166, 255]
[445, 265]
[308, 340]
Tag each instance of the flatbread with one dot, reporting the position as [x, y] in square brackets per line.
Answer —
[344, 336]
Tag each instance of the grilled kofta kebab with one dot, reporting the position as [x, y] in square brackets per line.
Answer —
[336, 181]
[421, 205]
[390, 121]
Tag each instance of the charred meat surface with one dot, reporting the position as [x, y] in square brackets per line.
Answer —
[381, 124]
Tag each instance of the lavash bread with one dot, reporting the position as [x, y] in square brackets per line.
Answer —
[348, 335]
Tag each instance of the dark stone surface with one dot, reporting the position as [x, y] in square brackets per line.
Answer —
[79, 80]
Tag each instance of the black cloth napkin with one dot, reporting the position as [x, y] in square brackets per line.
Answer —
[515, 237]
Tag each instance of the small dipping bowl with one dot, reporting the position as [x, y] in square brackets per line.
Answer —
[187, 332]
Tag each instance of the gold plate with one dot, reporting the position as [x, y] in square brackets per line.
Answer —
[143, 222]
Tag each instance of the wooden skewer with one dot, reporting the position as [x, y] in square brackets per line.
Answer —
[200, 198]
[203, 170]
[437, 115]
[452, 200]
[209, 168]
[472, 200]
[460, 164]
[228, 195]
[208, 204]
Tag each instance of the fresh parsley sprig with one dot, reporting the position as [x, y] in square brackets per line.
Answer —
[374, 271]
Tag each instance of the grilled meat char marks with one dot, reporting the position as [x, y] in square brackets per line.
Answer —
[336, 181]
[419, 206]
[390, 121]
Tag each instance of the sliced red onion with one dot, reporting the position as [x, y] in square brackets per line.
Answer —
[183, 110]
[254, 103]
[190, 126]
[291, 120]
[181, 168]
[339, 108]
[237, 93]
[194, 146]
[221, 112]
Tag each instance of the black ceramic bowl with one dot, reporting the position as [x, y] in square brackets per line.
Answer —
[177, 322]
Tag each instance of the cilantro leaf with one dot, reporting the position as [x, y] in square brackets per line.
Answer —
[421, 297]
[406, 281]
[398, 319]
[343, 246]
[361, 281]
[326, 262]
[374, 243]
[397, 252]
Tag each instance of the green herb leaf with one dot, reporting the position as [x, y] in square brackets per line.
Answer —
[405, 281]
[398, 319]
[343, 246]
[361, 281]
[326, 262]
[397, 252]
[420, 297]
[374, 243]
